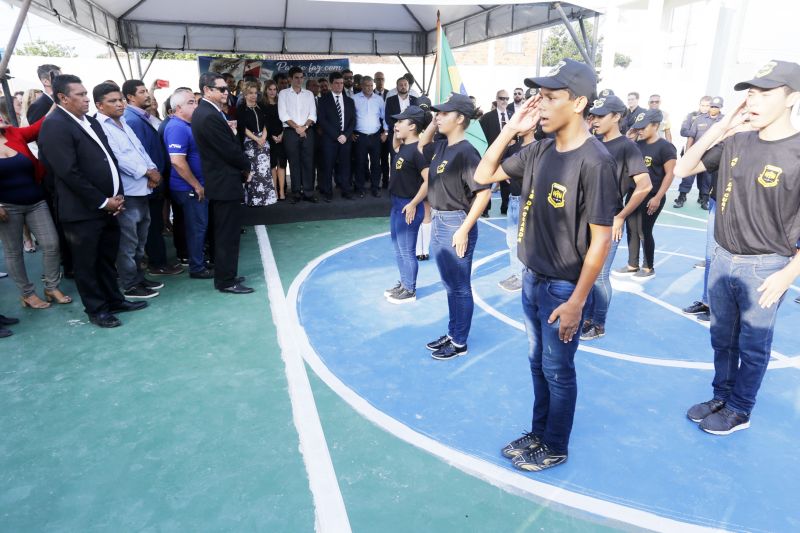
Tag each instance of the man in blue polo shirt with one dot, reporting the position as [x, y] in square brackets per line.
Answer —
[186, 181]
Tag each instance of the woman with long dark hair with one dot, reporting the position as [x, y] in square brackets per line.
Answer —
[457, 202]
[275, 134]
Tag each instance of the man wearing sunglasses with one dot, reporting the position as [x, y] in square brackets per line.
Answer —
[665, 130]
[225, 168]
[519, 97]
[492, 123]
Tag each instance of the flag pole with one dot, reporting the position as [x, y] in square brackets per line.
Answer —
[438, 99]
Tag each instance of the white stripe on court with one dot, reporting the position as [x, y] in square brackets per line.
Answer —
[681, 215]
[498, 476]
[329, 510]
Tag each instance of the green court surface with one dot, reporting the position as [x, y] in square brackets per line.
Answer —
[181, 420]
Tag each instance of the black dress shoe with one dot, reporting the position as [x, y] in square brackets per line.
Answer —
[127, 306]
[361, 195]
[105, 320]
[237, 288]
[7, 321]
[347, 196]
[239, 279]
[295, 199]
[376, 194]
[203, 274]
[5, 333]
[328, 199]
[312, 199]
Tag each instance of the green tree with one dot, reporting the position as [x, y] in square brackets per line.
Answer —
[559, 45]
[40, 47]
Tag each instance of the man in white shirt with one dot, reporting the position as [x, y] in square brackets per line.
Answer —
[371, 131]
[297, 110]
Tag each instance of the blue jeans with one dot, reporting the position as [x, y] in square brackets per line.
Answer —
[597, 304]
[196, 222]
[404, 239]
[134, 224]
[456, 272]
[512, 230]
[710, 245]
[555, 387]
[741, 331]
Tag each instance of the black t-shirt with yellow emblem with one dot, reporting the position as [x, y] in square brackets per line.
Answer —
[562, 193]
[758, 194]
[655, 155]
[407, 167]
[451, 175]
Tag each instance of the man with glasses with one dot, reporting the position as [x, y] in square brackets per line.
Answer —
[297, 109]
[349, 81]
[492, 123]
[225, 168]
[664, 131]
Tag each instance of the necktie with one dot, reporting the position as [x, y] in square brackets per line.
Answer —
[339, 112]
[502, 120]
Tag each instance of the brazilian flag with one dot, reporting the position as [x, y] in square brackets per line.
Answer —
[450, 82]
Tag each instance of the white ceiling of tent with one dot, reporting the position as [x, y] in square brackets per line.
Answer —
[302, 26]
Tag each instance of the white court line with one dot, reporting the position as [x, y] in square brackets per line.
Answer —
[498, 476]
[632, 287]
[495, 226]
[329, 509]
[680, 227]
[681, 215]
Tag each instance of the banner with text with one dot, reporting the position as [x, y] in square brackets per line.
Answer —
[265, 69]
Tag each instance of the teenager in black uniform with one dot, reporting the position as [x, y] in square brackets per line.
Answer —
[456, 204]
[659, 158]
[571, 199]
[756, 152]
[633, 183]
[408, 187]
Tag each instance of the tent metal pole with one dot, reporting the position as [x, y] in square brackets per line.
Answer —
[130, 65]
[138, 64]
[572, 33]
[433, 71]
[119, 64]
[12, 40]
[584, 34]
[407, 70]
[595, 34]
[150, 63]
[423, 74]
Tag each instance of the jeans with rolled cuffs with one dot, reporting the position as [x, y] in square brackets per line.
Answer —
[456, 272]
[404, 239]
[552, 361]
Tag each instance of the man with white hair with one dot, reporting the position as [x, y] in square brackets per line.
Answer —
[186, 182]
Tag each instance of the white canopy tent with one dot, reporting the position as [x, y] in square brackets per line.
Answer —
[303, 26]
[320, 27]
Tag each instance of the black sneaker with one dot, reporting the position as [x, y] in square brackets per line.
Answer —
[797, 300]
[697, 413]
[140, 293]
[704, 205]
[8, 321]
[625, 271]
[644, 275]
[527, 442]
[724, 422]
[538, 459]
[704, 317]
[403, 296]
[697, 308]
[449, 351]
[152, 284]
[679, 201]
[5, 333]
[438, 343]
[389, 292]
[594, 332]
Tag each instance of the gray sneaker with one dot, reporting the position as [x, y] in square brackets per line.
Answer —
[513, 283]
[389, 292]
[698, 412]
[644, 275]
[403, 296]
[624, 271]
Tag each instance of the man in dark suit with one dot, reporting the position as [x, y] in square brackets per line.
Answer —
[42, 105]
[225, 168]
[491, 124]
[336, 117]
[89, 196]
[395, 104]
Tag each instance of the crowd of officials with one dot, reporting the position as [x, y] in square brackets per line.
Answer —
[577, 170]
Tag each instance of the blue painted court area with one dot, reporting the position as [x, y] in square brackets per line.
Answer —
[632, 448]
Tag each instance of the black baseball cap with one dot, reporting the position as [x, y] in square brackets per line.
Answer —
[717, 101]
[424, 102]
[413, 112]
[457, 102]
[568, 74]
[607, 104]
[606, 92]
[774, 74]
[647, 117]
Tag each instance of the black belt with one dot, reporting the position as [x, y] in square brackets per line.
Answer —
[368, 134]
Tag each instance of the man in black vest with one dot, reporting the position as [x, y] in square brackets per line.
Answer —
[225, 168]
[89, 196]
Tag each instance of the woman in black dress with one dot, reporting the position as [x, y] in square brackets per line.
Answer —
[252, 125]
[275, 133]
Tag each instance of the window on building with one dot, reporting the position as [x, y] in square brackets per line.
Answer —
[514, 44]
